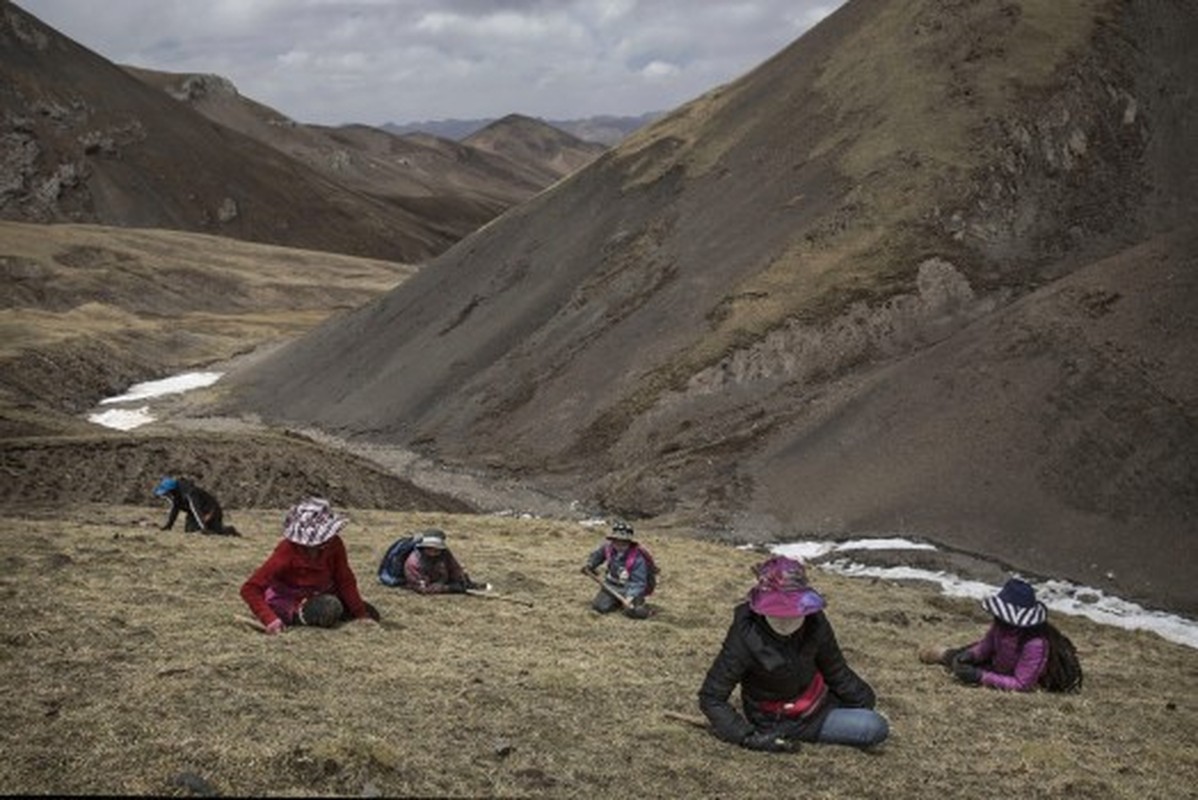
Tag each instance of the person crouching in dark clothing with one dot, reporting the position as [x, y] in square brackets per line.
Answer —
[202, 511]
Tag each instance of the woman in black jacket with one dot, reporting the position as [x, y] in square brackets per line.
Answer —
[200, 509]
[794, 682]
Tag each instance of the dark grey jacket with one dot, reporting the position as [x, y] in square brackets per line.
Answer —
[201, 510]
[769, 667]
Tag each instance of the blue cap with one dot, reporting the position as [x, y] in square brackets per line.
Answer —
[164, 486]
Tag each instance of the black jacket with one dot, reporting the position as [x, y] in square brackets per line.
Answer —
[202, 511]
[772, 667]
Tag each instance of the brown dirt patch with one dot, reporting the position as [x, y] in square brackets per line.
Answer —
[243, 470]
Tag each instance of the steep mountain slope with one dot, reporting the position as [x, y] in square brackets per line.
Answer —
[84, 141]
[924, 271]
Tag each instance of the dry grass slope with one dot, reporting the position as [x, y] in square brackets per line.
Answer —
[88, 310]
[126, 672]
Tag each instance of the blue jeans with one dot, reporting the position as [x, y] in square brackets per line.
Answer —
[856, 727]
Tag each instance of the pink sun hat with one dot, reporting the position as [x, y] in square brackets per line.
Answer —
[782, 589]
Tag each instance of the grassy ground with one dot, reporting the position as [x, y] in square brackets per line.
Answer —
[126, 671]
[88, 310]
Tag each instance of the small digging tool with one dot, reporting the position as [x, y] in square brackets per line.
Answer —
[624, 601]
[492, 596]
[251, 622]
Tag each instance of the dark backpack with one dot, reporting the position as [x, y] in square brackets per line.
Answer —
[630, 557]
[1064, 671]
[391, 567]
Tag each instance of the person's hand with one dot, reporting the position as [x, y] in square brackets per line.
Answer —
[274, 627]
[963, 656]
[967, 673]
[764, 742]
[587, 569]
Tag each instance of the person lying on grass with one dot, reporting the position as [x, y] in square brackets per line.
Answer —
[795, 685]
[1014, 652]
[307, 579]
[432, 569]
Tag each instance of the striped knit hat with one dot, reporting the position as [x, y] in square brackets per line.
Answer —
[1016, 605]
[311, 522]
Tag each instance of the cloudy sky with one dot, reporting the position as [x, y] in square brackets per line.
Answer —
[376, 61]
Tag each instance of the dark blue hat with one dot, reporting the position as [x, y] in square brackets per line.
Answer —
[164, 486]
[1016, 605]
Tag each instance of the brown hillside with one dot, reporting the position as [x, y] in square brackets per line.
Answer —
[917, 273]
[454, 187]
[89, 310]
[87, 142]
[553, 153]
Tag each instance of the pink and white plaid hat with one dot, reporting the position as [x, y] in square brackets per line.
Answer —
[311, 522]
[782, 589]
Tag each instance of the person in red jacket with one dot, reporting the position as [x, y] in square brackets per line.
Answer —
[307, 580]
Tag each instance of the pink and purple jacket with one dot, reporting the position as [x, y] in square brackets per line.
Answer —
[1010, 659]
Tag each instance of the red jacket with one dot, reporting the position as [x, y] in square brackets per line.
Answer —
[297, 572]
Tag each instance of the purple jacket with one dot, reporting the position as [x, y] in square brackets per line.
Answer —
[1010, 658]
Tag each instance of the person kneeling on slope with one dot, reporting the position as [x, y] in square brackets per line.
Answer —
[629, 576]
[201, 510]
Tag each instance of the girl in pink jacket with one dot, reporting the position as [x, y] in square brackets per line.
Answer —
[1013, 654]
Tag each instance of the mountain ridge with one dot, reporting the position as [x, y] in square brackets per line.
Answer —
[606, 129]
[95, 142]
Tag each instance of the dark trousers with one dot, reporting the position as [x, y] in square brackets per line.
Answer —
[604, 603]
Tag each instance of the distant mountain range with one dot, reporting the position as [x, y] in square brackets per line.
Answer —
[603, 129]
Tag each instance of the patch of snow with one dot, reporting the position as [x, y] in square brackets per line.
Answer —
[1062, 596]
[126, 419]
[815, 549]
[122, 419]
[175, 384]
